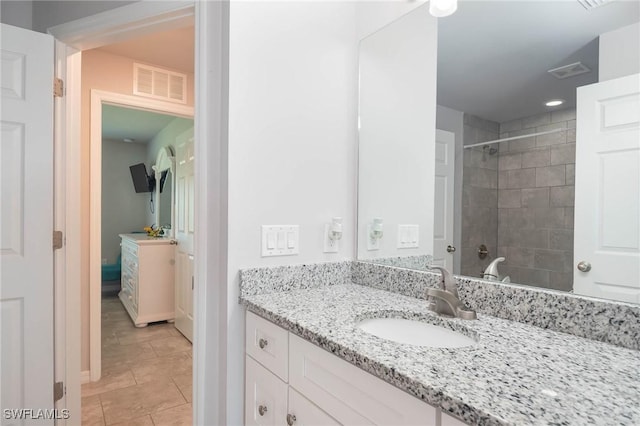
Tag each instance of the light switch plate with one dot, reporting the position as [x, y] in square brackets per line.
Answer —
[280, 240]
[408, 236]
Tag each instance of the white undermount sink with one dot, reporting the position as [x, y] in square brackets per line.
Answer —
[415, 333]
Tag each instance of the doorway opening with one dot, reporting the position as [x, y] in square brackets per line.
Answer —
[140, 364]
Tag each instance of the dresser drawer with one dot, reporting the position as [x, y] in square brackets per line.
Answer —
[268, 344]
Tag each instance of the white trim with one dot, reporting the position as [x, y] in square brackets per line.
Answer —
[99, 98]
[211, 188]
[67, 217]
[85, 377]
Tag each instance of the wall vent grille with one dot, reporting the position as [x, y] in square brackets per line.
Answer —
[158, 83]
[570, 70]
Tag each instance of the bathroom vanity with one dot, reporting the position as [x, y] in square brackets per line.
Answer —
[147, 278]
[308, 361]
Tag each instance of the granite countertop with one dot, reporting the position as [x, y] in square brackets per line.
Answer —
[517, 374]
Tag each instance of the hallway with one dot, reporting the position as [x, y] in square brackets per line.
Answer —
[146, 374]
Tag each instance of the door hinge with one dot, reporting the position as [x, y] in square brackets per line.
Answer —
[58, 87]
[58, 391]
[57, 240]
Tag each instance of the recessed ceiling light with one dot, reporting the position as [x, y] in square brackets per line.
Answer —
[554, 102]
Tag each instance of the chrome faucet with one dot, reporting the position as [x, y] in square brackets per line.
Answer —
[445, 301]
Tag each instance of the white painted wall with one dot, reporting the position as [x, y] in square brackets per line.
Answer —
[292, 141]
[397, 132]
[619, 52]
[453, 121]
[123, 211]
[374, 15]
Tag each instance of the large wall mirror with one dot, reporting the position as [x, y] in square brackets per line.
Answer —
[503, 186]
[165, 197]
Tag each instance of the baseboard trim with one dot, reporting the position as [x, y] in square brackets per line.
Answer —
[85, 377]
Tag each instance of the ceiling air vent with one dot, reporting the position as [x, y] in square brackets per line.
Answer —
[570, 70]
[159, 83]
[592, 4]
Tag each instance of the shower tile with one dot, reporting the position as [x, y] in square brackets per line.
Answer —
[519, 256]
[563, 154]
[523, 218]
[561, 239]
[571, 135]
[537, 197]
[535, 158]
[509, 198]
[563, 115]
[536, 120]
[570, 177]
[551, 260]
[534, 238]
[551, 138]
[568, 218]
[562, 196]
[561, 280]
[550, 176]
[510, 161]
[552, 217]
[521, 178]
[510, 126]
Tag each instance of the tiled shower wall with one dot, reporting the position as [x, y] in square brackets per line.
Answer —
[479, 195]
[536, 200]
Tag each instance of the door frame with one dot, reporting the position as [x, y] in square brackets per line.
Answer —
[211, 148]
[98, 99]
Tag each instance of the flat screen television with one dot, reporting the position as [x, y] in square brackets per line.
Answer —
[142, 182]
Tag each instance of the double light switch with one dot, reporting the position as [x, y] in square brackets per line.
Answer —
[280, 240]
[408, 236]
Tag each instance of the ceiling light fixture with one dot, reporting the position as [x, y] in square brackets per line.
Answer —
[442, 8]
[128, 140]
[554, 102]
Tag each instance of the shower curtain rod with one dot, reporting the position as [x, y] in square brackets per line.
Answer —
[514, 138]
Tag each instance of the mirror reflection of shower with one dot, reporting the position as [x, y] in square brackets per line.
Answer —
[517, 200]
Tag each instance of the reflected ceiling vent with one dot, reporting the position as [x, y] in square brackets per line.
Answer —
[158, 83]
[592, 4]
[570, 70]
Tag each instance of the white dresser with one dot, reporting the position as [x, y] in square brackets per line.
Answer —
[147, 278]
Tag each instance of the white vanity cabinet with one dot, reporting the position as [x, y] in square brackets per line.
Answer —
[291, 381]
[147, 279]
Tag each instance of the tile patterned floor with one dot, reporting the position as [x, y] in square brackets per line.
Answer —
[146, 374]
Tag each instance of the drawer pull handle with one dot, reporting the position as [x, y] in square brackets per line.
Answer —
[262, 409]
[291, 419]
[263, 343]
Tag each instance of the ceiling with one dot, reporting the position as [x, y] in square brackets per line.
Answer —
[171, 49]
[119, 123]
[493, 56]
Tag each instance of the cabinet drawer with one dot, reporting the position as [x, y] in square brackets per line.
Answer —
[306, 413]
[349, 394]
[268, 344]
[265, 396]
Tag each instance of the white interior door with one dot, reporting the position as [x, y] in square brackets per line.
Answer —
[185, 191]
[443, 247]
[607, 198]
[26, 217]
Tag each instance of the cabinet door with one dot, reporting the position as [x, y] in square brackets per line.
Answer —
[303, 412]
[265, 396]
